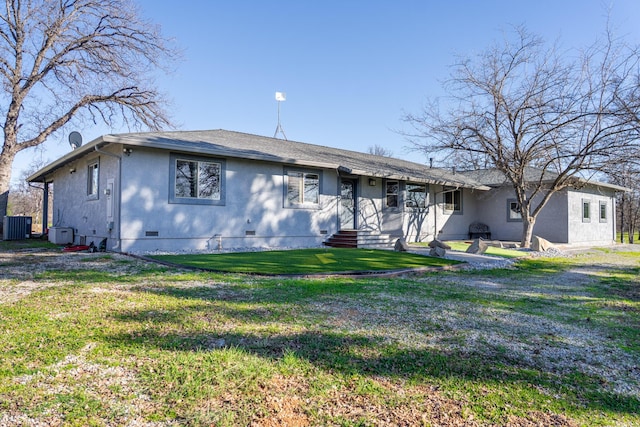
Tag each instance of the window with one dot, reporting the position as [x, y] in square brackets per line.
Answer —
[200, 180]
[93, 173]
[303, 188]
[603, 211]
[453, 201]
[391, 194]
[586, 211]
[196, 180]
[514, 211]
[416, 196]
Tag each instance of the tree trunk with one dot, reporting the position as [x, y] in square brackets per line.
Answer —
[527, 230]
[6, 161]
[622, 207]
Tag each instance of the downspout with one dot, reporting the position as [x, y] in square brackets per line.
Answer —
[338, 196]
[613, 217]
[118, 193]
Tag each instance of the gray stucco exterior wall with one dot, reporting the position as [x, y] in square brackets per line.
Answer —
[493, 210]
[92, 217]
[452, 225]
[251, 214]
[560, 221]
[595, 229]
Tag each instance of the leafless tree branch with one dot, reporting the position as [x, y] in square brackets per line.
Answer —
[523, 105]
[75, 59]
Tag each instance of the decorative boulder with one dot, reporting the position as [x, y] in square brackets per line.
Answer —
[401, 246]
[478, 247]
[437, 251]
[438, 244]
[539, 244]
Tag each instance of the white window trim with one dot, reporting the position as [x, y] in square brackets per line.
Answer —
[304, 204]
[444, 202]
[586, 218]
[606, 216]
[93, 195]
[386, 194]
[173, 158]
[426, 196]
[509, 217]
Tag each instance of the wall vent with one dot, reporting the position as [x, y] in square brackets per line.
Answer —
[324, 232]
[151, 233]
[250, 233]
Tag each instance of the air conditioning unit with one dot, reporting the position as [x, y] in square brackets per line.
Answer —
[16, 227]
[61, 235]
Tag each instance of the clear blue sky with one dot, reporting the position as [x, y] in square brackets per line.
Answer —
[350, 68]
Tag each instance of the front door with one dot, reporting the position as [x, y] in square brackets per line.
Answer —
[347, 204]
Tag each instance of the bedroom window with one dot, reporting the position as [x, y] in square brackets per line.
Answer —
[93, 173]
[391, 194]
[416, 196]
[514, 211]
[453, 201]
[586, 210]
[603, 211]
[196, 180]
[199, 180]
[302, 189]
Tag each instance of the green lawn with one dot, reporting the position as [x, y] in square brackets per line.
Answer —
[104, 339]
[306, 261]
[29, 244]
[636, 237]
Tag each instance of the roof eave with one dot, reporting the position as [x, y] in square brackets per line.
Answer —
[40, 175]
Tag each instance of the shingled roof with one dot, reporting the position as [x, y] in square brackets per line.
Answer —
[496, 178]
[231, 144]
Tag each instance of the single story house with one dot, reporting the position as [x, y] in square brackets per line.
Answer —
[208, 190]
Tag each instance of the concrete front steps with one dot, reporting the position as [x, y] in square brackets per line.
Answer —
[360, 239]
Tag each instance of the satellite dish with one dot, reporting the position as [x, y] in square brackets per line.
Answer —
[75, 140]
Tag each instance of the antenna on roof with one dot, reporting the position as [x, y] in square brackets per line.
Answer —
[280, 96]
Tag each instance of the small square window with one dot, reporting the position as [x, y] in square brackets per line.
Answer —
[603, 211]
[416, 196]
[514, 211]
[302, 189]
[453, 201]
[586, 211]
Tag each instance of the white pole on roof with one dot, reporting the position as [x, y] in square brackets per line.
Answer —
[280, 96]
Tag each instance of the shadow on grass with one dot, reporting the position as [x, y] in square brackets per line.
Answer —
[349, 353]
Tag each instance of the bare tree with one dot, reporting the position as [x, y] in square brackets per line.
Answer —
[66, 59]
[379, 150]
[626, 174]
[523, 106]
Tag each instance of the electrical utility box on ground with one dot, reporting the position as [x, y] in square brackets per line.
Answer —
[61, 235]
[16, 227]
